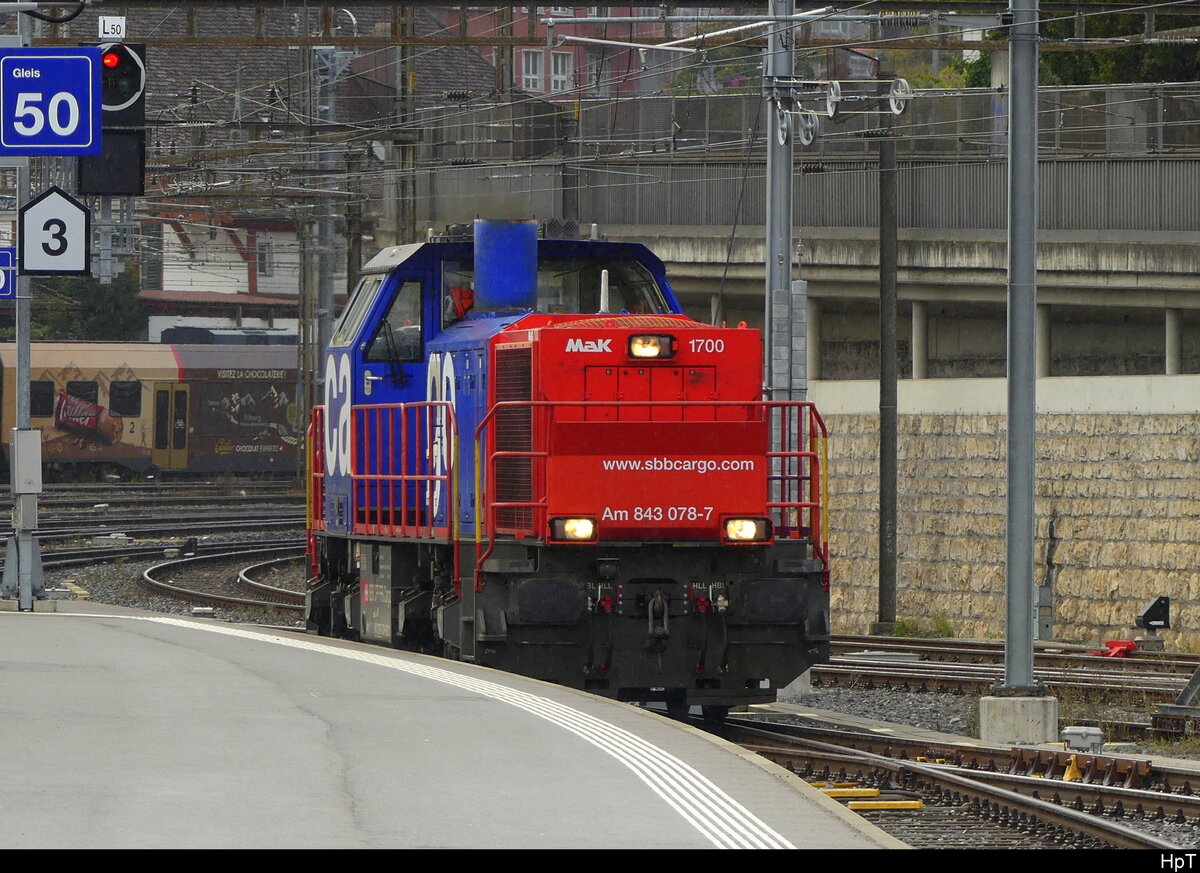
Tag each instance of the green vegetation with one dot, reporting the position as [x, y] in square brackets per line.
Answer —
[1096, 65]
[1153, 63]
[80, 308]
[939, 629]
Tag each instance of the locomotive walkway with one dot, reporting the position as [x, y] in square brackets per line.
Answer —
[133, 729]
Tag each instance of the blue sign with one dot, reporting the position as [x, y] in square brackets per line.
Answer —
[50, 102]
[8, 274]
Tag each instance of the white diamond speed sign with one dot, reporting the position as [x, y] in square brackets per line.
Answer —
[55, 234]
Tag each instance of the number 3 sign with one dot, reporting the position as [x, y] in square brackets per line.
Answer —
[55, 234]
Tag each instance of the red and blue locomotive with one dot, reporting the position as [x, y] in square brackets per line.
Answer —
[529, 458]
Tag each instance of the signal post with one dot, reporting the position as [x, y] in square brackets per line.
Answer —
[50, 105]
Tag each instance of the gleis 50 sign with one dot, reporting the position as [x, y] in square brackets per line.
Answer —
[50, 101]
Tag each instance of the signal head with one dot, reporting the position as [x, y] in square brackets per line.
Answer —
[123, 83]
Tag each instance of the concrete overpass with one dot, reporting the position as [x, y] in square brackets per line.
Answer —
[1115, 303]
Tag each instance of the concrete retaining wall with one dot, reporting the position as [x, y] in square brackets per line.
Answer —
[1118, 473]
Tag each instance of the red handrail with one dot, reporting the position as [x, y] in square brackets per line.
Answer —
[315, 456]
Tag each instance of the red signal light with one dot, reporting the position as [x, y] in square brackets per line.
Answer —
[110, 60]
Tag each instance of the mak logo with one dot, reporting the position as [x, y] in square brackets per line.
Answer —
[578, 345]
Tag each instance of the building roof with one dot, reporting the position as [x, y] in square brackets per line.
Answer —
[166, 298]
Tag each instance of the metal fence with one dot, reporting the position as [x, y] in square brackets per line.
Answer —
[1129, 120]
[1143, 194]
[1124, 158]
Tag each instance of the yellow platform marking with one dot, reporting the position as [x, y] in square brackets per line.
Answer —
[886, 804]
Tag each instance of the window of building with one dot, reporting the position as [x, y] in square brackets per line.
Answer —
[597, 80]
[532, 71]
[561, 64]
[151, 249]
[266, 259]
[562, 11]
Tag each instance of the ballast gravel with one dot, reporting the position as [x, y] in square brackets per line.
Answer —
[959, 714]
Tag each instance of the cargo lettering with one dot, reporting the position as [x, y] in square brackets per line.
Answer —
[439, 386]
[337, 415]
[678, 465]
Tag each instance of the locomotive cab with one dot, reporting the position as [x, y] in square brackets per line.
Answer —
[530, 458]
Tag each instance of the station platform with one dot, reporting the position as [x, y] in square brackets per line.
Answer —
[135, 729]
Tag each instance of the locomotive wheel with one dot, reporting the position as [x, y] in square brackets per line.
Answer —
[677, 706]
[319, 621]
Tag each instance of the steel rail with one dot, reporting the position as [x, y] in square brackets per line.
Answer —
[284, 594]
[910, 676]
[993, 797]
[1112, 779]
[150, 582]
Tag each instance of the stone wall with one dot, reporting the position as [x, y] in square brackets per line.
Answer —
[1122, 490]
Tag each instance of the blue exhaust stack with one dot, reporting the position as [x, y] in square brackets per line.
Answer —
[505, 265]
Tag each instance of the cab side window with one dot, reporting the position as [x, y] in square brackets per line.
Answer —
[398, 339]
[356, 311]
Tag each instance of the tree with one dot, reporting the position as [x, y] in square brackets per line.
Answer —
[975, 73]
[80, 308]
[1114, 66]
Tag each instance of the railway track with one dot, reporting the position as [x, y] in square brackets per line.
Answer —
[168, 526]
[968, 799]
[974, 667]
[992, 652]
[208, 579]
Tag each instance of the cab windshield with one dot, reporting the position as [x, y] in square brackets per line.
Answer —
[566, 285]
[573, 286]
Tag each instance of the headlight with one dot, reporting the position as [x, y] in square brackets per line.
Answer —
[651, 346]
[747, 530]
[573, 529]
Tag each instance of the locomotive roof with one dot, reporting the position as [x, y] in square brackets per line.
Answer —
[394, 256]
